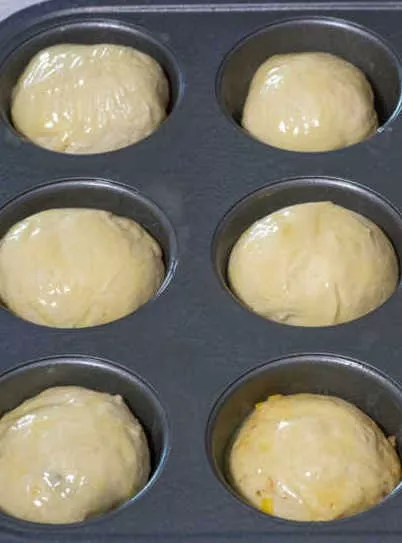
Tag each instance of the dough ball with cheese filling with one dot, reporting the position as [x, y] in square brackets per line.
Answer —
[308, 457]
[309, 102]
[76, 267]
[68, 454]
[86, 99]
[313, 264]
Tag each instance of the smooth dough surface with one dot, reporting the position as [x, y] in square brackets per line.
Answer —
[313, 264]
[309, 102]
[76, 267]
[309, 458]
[86, 99]
[68, 454]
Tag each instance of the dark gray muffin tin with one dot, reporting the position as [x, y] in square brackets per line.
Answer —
[192, 362]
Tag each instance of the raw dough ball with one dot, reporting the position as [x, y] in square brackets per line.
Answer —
[89, 98]
[78, 267]
[313, 264]
[309, 457]
[69, 454]
[309, 102]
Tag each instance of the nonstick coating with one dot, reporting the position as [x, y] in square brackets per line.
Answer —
[193, 360]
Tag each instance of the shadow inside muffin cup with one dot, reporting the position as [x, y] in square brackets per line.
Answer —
[89, 31]
[360, 47]
[103, 195]
[30, 379]
[290, 192]
[361, 385]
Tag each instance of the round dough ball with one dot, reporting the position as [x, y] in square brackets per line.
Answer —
[69, 454]
[309, 458]
[89, 98]
[313, 264]
[309, 102]
[71, 268]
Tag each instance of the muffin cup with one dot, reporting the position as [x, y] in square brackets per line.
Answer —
[359, 384]
[364, 49]
[28, 380]
[97, 194]
[86, 31]
[295, 191]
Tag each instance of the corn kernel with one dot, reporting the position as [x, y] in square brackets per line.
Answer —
[267, 506]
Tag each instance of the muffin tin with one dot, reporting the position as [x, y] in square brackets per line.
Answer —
[193, 361]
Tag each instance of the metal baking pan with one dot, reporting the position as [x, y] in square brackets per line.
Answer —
[192, 361]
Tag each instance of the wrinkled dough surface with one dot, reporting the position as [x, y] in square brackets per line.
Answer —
[309, 102]
[313, 264]
[78, 267]
[309, 458]
[68, 454]
[89, 98]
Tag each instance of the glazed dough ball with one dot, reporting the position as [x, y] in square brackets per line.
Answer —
[69, 454]
[308, 457]
[309, 102]
[313, 264]
[89, 98]
[72, 268]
